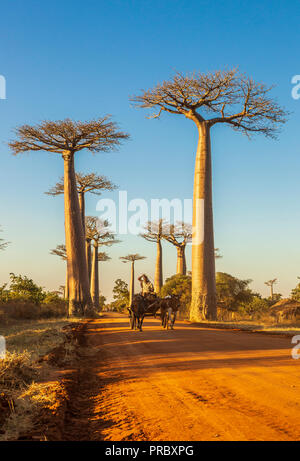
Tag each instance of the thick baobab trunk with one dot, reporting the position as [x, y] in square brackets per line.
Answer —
[181, 263]
[79, 293]
[95, 277]
[88, 251]
[158, 278]
[82, 209]
[204, 304]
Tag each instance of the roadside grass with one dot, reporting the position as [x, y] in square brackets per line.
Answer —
[289, 328]
[26, 392]
[35, 337]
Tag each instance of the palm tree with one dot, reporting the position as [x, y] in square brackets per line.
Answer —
[61, 251]
[224, 97]
[131, 258]
[98, 231]
[180, 235]
[66, 138]
[155, 233]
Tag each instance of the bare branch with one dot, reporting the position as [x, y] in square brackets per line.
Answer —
[60, 251]
[99, 231]
[131, 258]
[68, 135]
[216, 97]
[90, 182]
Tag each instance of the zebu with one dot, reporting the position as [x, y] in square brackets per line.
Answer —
[137, 312]
[168, 311]
[168, 307]
[149, 305]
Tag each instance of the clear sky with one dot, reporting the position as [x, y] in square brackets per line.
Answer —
[84, 59]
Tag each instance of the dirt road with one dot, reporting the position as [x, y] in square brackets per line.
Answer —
[188, 384]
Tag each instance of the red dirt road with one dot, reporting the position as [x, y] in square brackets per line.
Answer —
[188, 384]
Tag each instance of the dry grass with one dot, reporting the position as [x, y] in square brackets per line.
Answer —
[36, 337]
[287, 328]
[23, 398]
[19, 309]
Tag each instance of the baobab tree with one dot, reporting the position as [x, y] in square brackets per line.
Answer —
[61, 252]
[3, 243]
[155, 233]
[99, 232]
[67, 137]
[271, 283]
[180, 235]
[131, 258]
[221, 97]
[86, 183]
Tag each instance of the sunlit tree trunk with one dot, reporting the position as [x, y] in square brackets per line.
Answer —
[131, 288]
[95, 277]
[67, 284]
[181, 263]
[79, 293]
[82, 209]
[158, 278]
[88, 257]
[203, 256]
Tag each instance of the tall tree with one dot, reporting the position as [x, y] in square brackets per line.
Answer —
[131, 258]
[99, 232]
[61, 251]
[225, 97]
[66, 138]
[271, 283]
[155, 233]
[180, 235]
[90, 182]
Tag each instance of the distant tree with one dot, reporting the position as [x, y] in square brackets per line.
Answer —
[67, 137]
[295, 294]
[180, 285]
[256, 305]
[221, 97]
[180, 235]
[271, 283]
[25, 288]
[131, 258]
[99, 232]
[232, 292]
[120, 295]
[155, 232]
[102, 301]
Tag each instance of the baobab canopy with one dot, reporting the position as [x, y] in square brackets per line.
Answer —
[226, 96]
[68, 135]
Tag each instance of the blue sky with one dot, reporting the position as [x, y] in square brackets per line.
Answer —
[83, 60]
